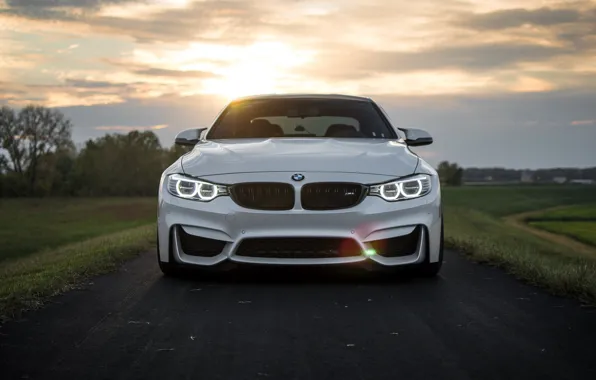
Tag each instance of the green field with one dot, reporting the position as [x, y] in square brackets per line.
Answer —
[577, 222]
[586, 212]
[580, 230]
[51, 245]
[508, 200]
[31, 225]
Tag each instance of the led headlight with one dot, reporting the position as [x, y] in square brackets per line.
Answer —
[189, 188]
[407, 188]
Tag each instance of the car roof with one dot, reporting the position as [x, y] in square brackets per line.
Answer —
[304, 96]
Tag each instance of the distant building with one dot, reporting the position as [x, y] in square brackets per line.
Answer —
[583, 181]
[527, 176]
[560, 179]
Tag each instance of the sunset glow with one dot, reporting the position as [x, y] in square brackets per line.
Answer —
[205, 47]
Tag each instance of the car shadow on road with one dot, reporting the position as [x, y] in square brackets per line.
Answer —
[319, 275]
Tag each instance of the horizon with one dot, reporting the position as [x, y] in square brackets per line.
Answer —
[497, 84]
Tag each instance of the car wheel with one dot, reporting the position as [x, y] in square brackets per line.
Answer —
[427, 269]
[171, 268]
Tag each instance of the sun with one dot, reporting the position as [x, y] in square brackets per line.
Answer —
[249, 78]
[260, 68]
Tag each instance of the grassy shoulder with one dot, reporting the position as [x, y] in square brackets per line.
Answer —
[477, 229]
[537, 261]
[26, 282]
[28, 226]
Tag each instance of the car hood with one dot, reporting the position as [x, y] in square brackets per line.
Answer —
[371, 156]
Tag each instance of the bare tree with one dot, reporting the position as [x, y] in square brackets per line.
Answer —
[30, 135]
[10, 132]
[44, 130]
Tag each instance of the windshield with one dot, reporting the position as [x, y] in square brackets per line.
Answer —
[265, 118]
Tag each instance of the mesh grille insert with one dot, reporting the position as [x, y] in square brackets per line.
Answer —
[299, 248]
[263, 195]
[331, 195]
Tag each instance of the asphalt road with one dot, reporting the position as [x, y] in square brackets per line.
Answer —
[473, 322]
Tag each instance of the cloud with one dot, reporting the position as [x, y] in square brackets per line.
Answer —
[62, 3]
[573, 27]
[186, 47]
[70, 92]
[512, 18]
[91, 84]
[208, 19]
[174, 73]
[131, 128]
[474, 57]
[529, 84]
[583, 122]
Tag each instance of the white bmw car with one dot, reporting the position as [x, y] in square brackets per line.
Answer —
[301, 180]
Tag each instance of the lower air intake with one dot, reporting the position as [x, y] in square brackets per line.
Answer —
[199, 246]
[405, 245]
[299, 248]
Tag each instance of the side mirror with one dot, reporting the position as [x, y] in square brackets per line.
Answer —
[189, 136]
[417, 137]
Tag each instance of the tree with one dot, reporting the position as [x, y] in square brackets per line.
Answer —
[27, 137]
[120, 165]
[450, 173]
[175, 152]
[44, 130]
[10, 132]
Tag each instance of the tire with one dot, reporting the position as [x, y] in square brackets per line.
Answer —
[428, 269]
[171, 268]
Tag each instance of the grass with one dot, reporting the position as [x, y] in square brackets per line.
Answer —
[577, 222]
[538, 262]
[508, 200]
[52, 245]
[26, 283]
[474, 225]
[583, 231]
[583, 212]
[28, 226]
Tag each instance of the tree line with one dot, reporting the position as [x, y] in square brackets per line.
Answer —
[38, 158]
[538, 176]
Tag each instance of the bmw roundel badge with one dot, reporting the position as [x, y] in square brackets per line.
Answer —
[297, 177]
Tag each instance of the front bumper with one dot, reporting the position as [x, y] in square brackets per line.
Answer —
[370, 221]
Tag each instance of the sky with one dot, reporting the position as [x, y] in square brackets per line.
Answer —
[507, 83]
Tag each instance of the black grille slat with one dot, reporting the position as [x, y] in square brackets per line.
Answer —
[331, 195]
[199, 246]
[398, 246]
[298, 248]
[264, 195]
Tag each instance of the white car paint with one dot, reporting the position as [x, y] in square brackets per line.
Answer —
[300, 155]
